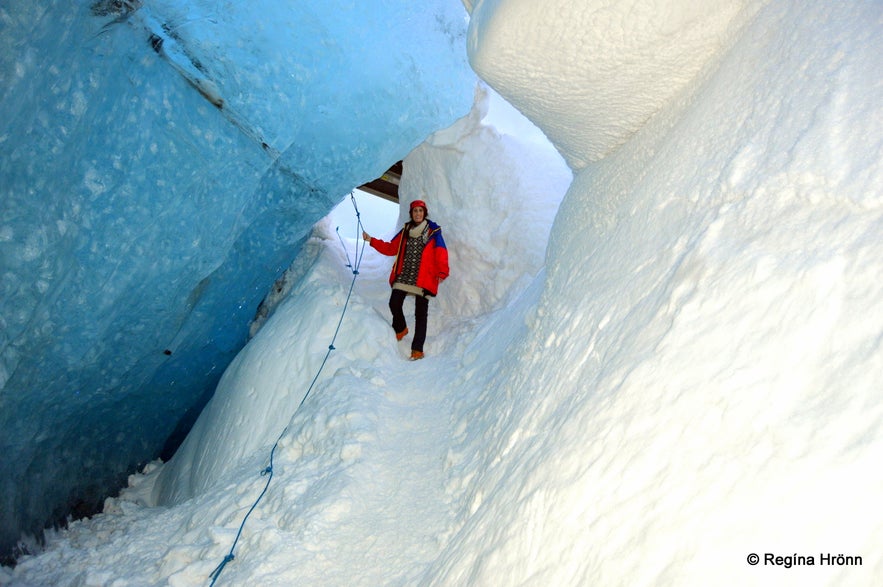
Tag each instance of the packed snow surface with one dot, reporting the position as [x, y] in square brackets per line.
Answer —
[685, 375]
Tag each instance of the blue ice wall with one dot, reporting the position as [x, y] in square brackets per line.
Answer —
[160, 163]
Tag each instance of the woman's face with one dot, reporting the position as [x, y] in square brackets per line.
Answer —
[417, 214]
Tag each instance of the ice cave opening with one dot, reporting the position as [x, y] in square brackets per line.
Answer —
[162, 163]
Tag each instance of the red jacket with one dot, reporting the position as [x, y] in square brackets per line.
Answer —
[433, 261]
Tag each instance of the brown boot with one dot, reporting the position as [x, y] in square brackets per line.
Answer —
[416, 355]
[402, 334]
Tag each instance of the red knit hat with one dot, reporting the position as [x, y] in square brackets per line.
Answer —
[420, 203]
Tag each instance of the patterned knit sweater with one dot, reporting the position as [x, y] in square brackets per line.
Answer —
[417, 239]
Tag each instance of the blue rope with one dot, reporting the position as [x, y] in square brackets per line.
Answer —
[348, 263]
[269, 470]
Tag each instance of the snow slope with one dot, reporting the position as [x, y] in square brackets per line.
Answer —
[701, 378]
[691, 378]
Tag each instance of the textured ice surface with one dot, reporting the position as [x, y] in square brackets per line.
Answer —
[158, 169]
[624, 61]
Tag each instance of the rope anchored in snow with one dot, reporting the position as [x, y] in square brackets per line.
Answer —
[268, 471]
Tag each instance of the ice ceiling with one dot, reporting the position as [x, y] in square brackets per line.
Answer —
[160, 164]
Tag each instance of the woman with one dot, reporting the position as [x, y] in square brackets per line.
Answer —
[421, 264]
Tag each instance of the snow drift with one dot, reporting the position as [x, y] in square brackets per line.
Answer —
[701, 376]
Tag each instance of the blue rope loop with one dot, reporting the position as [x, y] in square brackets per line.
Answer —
[348, 262]
[268, 471]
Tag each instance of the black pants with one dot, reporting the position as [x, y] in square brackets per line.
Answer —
[421, 312]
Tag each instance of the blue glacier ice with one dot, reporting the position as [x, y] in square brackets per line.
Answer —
[161, 161]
